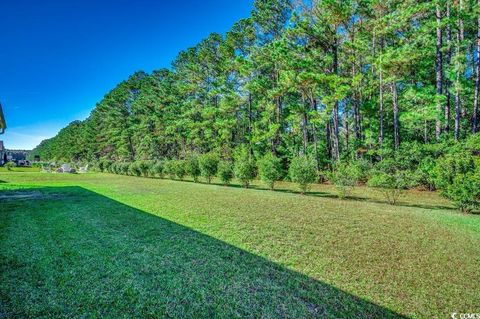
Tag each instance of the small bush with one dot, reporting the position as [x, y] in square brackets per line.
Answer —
[208, 166]
[303, 171]
[169, 169]
[105, 165]
[192, 167]
[451, 165]
[392, 184]
[464, 192]
[123, 168]
[225, 172]
[363, 168]
[145, 167]
[101, 165]
[425, 175]
[458, 176]
[134, 169]
[114, 169]
[270, 169]
[345, 177]
[179, 168]
[157, 169]
[244, 167]
[10, 165]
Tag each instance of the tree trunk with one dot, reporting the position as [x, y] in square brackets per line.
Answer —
[250, 122]
[477, 79]
[347, 134]
[458, 112]
[448, 84]
[396, 120]
[278, 113]
[336, 144]
[313, 103]
[355, 104]
[250, 114]
[305, 126]
[381, 110]
[278, 118]
[458, 106]
[439, 72]
[329, 138]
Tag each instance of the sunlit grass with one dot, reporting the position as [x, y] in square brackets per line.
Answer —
[152, 247]
[19, 169]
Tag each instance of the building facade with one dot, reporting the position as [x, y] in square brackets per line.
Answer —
[3, 154]
[3, 126]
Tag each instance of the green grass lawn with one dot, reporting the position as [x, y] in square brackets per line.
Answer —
[100, 245]
[20, 169]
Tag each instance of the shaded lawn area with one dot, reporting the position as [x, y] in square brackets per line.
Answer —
[100, 245]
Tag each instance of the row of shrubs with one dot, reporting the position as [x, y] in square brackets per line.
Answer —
[455, 172]
[208, 166]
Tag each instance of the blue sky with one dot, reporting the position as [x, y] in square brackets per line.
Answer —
[58, 58]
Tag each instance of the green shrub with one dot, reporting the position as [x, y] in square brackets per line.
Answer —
[451, 165]
[123, 168]
[92, 166]
[425, 175]
[270, 169]
[179, 168]
[244, 167]
[363, 168]
[225, 172]
[345, 177]
[458, 176]
[472, 143]
[169, 169]
[134, 169]
[464, 192]
[158, 169]
[208, 166]
[114, 168]
[192, 167]
[10, 165]
[105, 165]
[41, 165]
[100, 165]
[391, 184]
[303, 171]
[144, 167]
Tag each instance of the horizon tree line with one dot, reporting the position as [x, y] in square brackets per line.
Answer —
[326, 78]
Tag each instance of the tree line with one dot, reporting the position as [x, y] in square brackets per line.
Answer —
[332, 80]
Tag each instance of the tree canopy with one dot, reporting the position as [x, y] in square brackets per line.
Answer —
[327, 79]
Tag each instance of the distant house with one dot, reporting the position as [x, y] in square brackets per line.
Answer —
[3, 154]
[3, 126]
[18, 156]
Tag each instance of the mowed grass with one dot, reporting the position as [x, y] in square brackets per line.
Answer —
[20, 169]
[100, 245]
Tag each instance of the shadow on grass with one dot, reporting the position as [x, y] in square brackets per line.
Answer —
[87, 255]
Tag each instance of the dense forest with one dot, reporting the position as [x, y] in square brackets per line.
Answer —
[334, 81]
